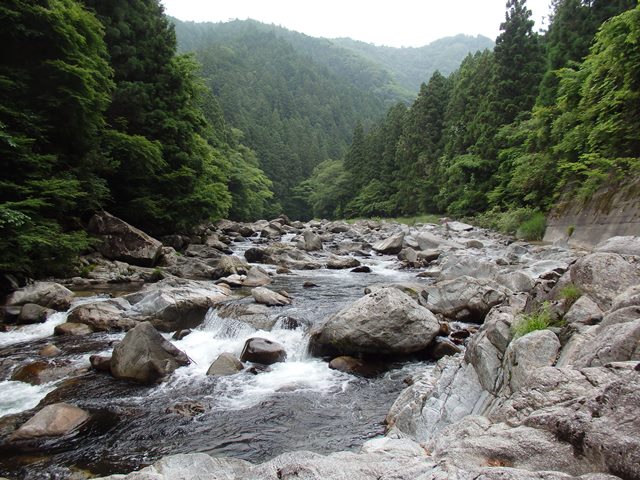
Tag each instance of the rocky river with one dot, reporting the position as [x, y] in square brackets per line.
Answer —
[379, 351]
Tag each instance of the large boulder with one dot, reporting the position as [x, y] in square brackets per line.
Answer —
[391, 245]
[261, 350]
[107, 316]
[623, 245]
[340, 263]
[312, 241]
[230, 265]
[145, 356]
[32, 313]
[603, 276]
[121, 241]
[52, 421]
[268, 297]
[46, 294]
[175, 304]
[384, 322]
[464, 298]
[225, 364]
[256, 277]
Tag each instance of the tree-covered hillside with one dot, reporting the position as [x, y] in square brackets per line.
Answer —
[98, 111]
[509, 130]
[296, 98]
[411, 66]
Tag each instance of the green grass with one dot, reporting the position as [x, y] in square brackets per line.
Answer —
[570, 293]
[539, 320]
[533, 228]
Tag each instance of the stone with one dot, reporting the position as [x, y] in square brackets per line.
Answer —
[268, 297]
[584, 311]
[384, 322]
[308, 284]
[257, 277]
[39, 372]
[516, 281]
[533, 350]
[233, 281]
[230, 265]
[340, 263]
[458, 226]
[615, 342]
[50, 350]
[75, 329]
[312, 241]
[225, 364]
[52, 421]
[175, 304]
[623, 245]
[464, 298]
[629, 297]
[443, 347]
[145, 356]
[361, 269]
[100, 363]
[180, 334]
[124, 242]
[355, 366]
[263, 351]
[107, 316]
[32, 313]
[391, 245]
[603, 276]
[456, 266]
[46, 294]
[473, 243]
[252, 315]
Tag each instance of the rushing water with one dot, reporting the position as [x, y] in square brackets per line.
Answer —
[300, 404]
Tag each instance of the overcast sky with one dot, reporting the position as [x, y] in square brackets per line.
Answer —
[392, 22]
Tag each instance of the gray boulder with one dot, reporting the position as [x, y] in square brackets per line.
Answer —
[603, 276]
[257, 277]
[384, 322]
[584, 311]
[70, 328]
[312, 241]
[263, 351]
[340, 263]
[107, 316]
[268, 297]
[225, 364]
[32, 313]
[391, 245]
[145, 356]
[464, 298]
[230, 265]
[623, 245]
[52, 421]
[121, 241]
[46, 294]
[252, 314]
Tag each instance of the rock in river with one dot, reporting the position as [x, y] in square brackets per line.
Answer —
[225, 364]
[261, 350]
[53, 420]
[46, 294]
[385, 322]
[269, 297]
[391, 245]
[145, 356]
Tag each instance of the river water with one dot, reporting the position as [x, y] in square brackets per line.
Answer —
[300, 404]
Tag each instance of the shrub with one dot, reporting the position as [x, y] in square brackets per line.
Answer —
[533, 228]
[570, 293]
[538, 320]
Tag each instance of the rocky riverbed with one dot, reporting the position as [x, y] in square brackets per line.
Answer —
[326, 350]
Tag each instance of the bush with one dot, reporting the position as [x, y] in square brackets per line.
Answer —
[538, 320]
[570, 293]
[533, 228]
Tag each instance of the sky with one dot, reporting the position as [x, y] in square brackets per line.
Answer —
[395, 23]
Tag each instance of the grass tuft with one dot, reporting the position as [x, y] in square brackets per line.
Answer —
[539, 320]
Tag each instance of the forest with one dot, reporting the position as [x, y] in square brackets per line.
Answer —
[103, 109]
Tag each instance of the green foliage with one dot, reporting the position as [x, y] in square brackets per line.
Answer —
[539, 320]
[533, 228]
[570, 293]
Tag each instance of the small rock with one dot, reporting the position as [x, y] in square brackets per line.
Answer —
[263, 351]
[312, 241]
[50, 350]
[257, 277]
[282, 270]
[225, 364]
[100, 363]
[38, 373]
[391, 245]
[309, 285]
[340, 263]
[361, 269]
[443, 347]
[268, 297]
[187, 409]
[180, 334]
[52, 421]
[76, 329]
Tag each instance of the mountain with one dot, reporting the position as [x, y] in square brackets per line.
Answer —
[412, 66]
[296, 98]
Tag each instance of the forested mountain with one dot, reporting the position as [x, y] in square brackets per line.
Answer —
[509, 130]
[411, 66]
[98, 111]
[296, 98]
